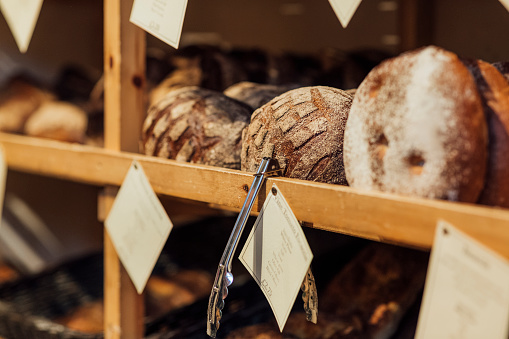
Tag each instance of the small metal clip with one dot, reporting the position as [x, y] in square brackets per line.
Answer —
[224, 276]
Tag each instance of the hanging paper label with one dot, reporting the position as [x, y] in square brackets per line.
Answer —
[138, 226]
[277, 255]
[467, 289]
[21, 16]
[161, 18]
[505, 3]
[344, 9]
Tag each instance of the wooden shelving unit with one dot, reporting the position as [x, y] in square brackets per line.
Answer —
[382, 217]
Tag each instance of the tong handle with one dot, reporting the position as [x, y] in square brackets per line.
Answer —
[224, 278]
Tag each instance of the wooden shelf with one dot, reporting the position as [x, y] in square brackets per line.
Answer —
[372, 215]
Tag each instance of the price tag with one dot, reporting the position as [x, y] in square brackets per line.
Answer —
[161, 18]
[138, 226]
[505, 3]
[344, 9]
[467, 289]
[21, 16]
[277, 254]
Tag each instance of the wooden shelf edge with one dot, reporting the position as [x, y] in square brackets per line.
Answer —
[372, 215]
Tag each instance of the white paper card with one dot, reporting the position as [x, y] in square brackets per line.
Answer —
[21, 16]
[138, 226]
[467, 289]
[277, 255]
[344, 9]
[505, 3]
[161, 18]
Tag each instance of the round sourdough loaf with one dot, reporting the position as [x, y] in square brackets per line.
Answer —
[417, 128]
[58, 120]
[196, 125]
[303, 130]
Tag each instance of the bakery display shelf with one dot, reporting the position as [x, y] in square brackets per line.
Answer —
[378, 216]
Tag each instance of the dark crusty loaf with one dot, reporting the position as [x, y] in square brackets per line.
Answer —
[303, 130]
[376, 288]
[196, 125]
[494, 91]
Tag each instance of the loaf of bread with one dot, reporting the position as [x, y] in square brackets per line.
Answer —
[503, 67]
[259, 331]
[207, 67]
[376, 288]
[254, 94]
[164, 294]
[88, 318]
[494, 91]
[19, 99]
[303, 130]
[417, 127]
[58, 120]
[196, 125]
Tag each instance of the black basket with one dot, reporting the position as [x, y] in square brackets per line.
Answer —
[28, 305]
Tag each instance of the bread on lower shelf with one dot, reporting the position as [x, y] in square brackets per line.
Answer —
[366, 299]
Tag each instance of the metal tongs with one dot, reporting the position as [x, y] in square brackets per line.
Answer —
[224, 276]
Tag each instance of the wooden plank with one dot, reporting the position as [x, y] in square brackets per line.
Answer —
[124, 80]
[382, 217]
[123, 306]
[390, 218]
[124, 77]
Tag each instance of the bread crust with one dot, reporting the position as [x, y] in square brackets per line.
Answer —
[196, 125]
[303, 130]
[494, 91]
[417, 128]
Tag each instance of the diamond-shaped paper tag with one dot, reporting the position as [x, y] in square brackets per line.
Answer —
[161, 18]
[277, 254]
[505, 3]
[344, 9]
[138, 226]
[21, 16]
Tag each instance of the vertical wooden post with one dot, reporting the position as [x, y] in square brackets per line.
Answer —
[124, 80]
[415, 23]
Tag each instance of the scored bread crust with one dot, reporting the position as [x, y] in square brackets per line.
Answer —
[303, 130]
[196, 125]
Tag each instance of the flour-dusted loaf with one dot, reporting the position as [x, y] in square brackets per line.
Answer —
[196, 125]
[303, 130]
[494, 91]
[417, 127]
[58, 120]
